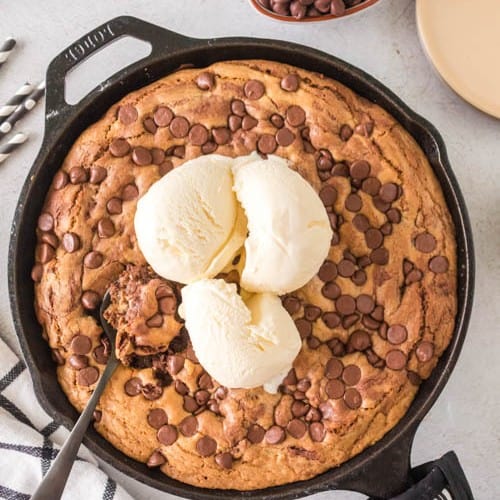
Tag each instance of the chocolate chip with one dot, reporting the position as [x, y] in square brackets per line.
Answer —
[127, 114]
[87, 376]
[206, 446]
[296, 428]
[71, 242]
[221, 135]
[381, 205]
[299, 408]
[101, 355]
[303, 385]
[360, 340]
[353, 203]
[93, 260]
[331, 319]
[275, 435]
[380, 256]
[249, 122]
[156, 459]
[386, 229]
[255, 433]
[337, 7]
[370, 323]
[414, 378]
[349, 320]
[208, 148]
[346, 268]
[175, 364]
[97, 415]
[290, 82]
[158, 156]
[394, 215]
[291, 378]
[312, 313]
[77, 361]
[364, 129]
[119, 147]
[202, 396]
[179, 127]
[345, 304]
[397, 334]
[163, 116]
[334, 389]
[389, 192]
[360, 169]
[328, 195]
[254, 89]
[78, 175]
[374, 238]
[304, 327]
[395, 359]
[61, 179]
[37, 273]
[285, 137]
[313, 415]
[224, 460]
[291, 304]
[205, 381]
[424, 351]
[345, 132]
[351, 374]
[130, 192]
[371, 186]
[165, 167]
[328, 271]
[295, 115]
[205, 81]
[45, 222]
[152, 392]
[352, 398]
[90, 299]
[277, 120]
[298, 10]
[414, 276]
[167, 435]
[198, 135]
[317, 432]
[114, 206]
[97, 174]
[365, 304]
[167, 305]
[156, 321]
[378, 313]
[81, 344]
[333, 368]
[234, 122]
[238, 108]
[267, 144]
[439, 264]
[150, 125]
[190, 404]
[157, 418]
[359, 277]
[331, 290]
[181, 388]
[45, 253]
[142, 156]
[189, 426]
[105, 228]
[340, 170]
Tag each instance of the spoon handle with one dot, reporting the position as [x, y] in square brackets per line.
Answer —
[52, 485]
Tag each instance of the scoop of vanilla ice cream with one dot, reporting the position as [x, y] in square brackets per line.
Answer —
[189, 224]
[289, 231]
[241, 344]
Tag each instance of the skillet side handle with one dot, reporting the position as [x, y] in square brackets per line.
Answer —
[443, 478]
[56, 105]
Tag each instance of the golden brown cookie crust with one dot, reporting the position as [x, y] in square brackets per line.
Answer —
[415, 288]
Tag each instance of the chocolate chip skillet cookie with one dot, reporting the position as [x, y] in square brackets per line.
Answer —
[373, 321]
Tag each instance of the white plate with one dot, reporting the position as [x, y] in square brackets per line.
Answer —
[462, 39]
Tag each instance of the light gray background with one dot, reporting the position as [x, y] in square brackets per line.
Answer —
[383, 41]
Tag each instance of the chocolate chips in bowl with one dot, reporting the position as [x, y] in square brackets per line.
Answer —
[309, 10]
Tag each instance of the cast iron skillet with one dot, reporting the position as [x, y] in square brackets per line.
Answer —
[383, 470]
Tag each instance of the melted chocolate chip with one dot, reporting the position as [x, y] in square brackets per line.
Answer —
[424, 351]
[128, 114]
[296, 428]
[206, 446]
[275, 435]
[157, 418]
[81, 344]
[189, 426]
[167, 435]
[439, 264]
[395, 359]
[295, 115]
[163, 116]
[254, 89]
[93, 260]
[142, 156]
[87, 376]
[397, 334]
[334, 389]
[156, 459]
[352, 398]
[255, 433]
[119, 147]
[290, 82]
[267, 144]
[317, 432]
[179, 127]
[205, 81]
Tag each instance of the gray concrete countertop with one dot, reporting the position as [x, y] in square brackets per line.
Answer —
[382, 41]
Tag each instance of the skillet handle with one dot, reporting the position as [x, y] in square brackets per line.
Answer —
[442, 478]
[56, 106]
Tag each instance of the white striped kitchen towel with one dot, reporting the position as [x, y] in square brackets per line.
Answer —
[30, 439]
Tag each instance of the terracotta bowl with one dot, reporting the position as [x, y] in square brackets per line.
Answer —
[325, 17]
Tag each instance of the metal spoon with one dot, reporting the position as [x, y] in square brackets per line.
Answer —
[52, 486]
